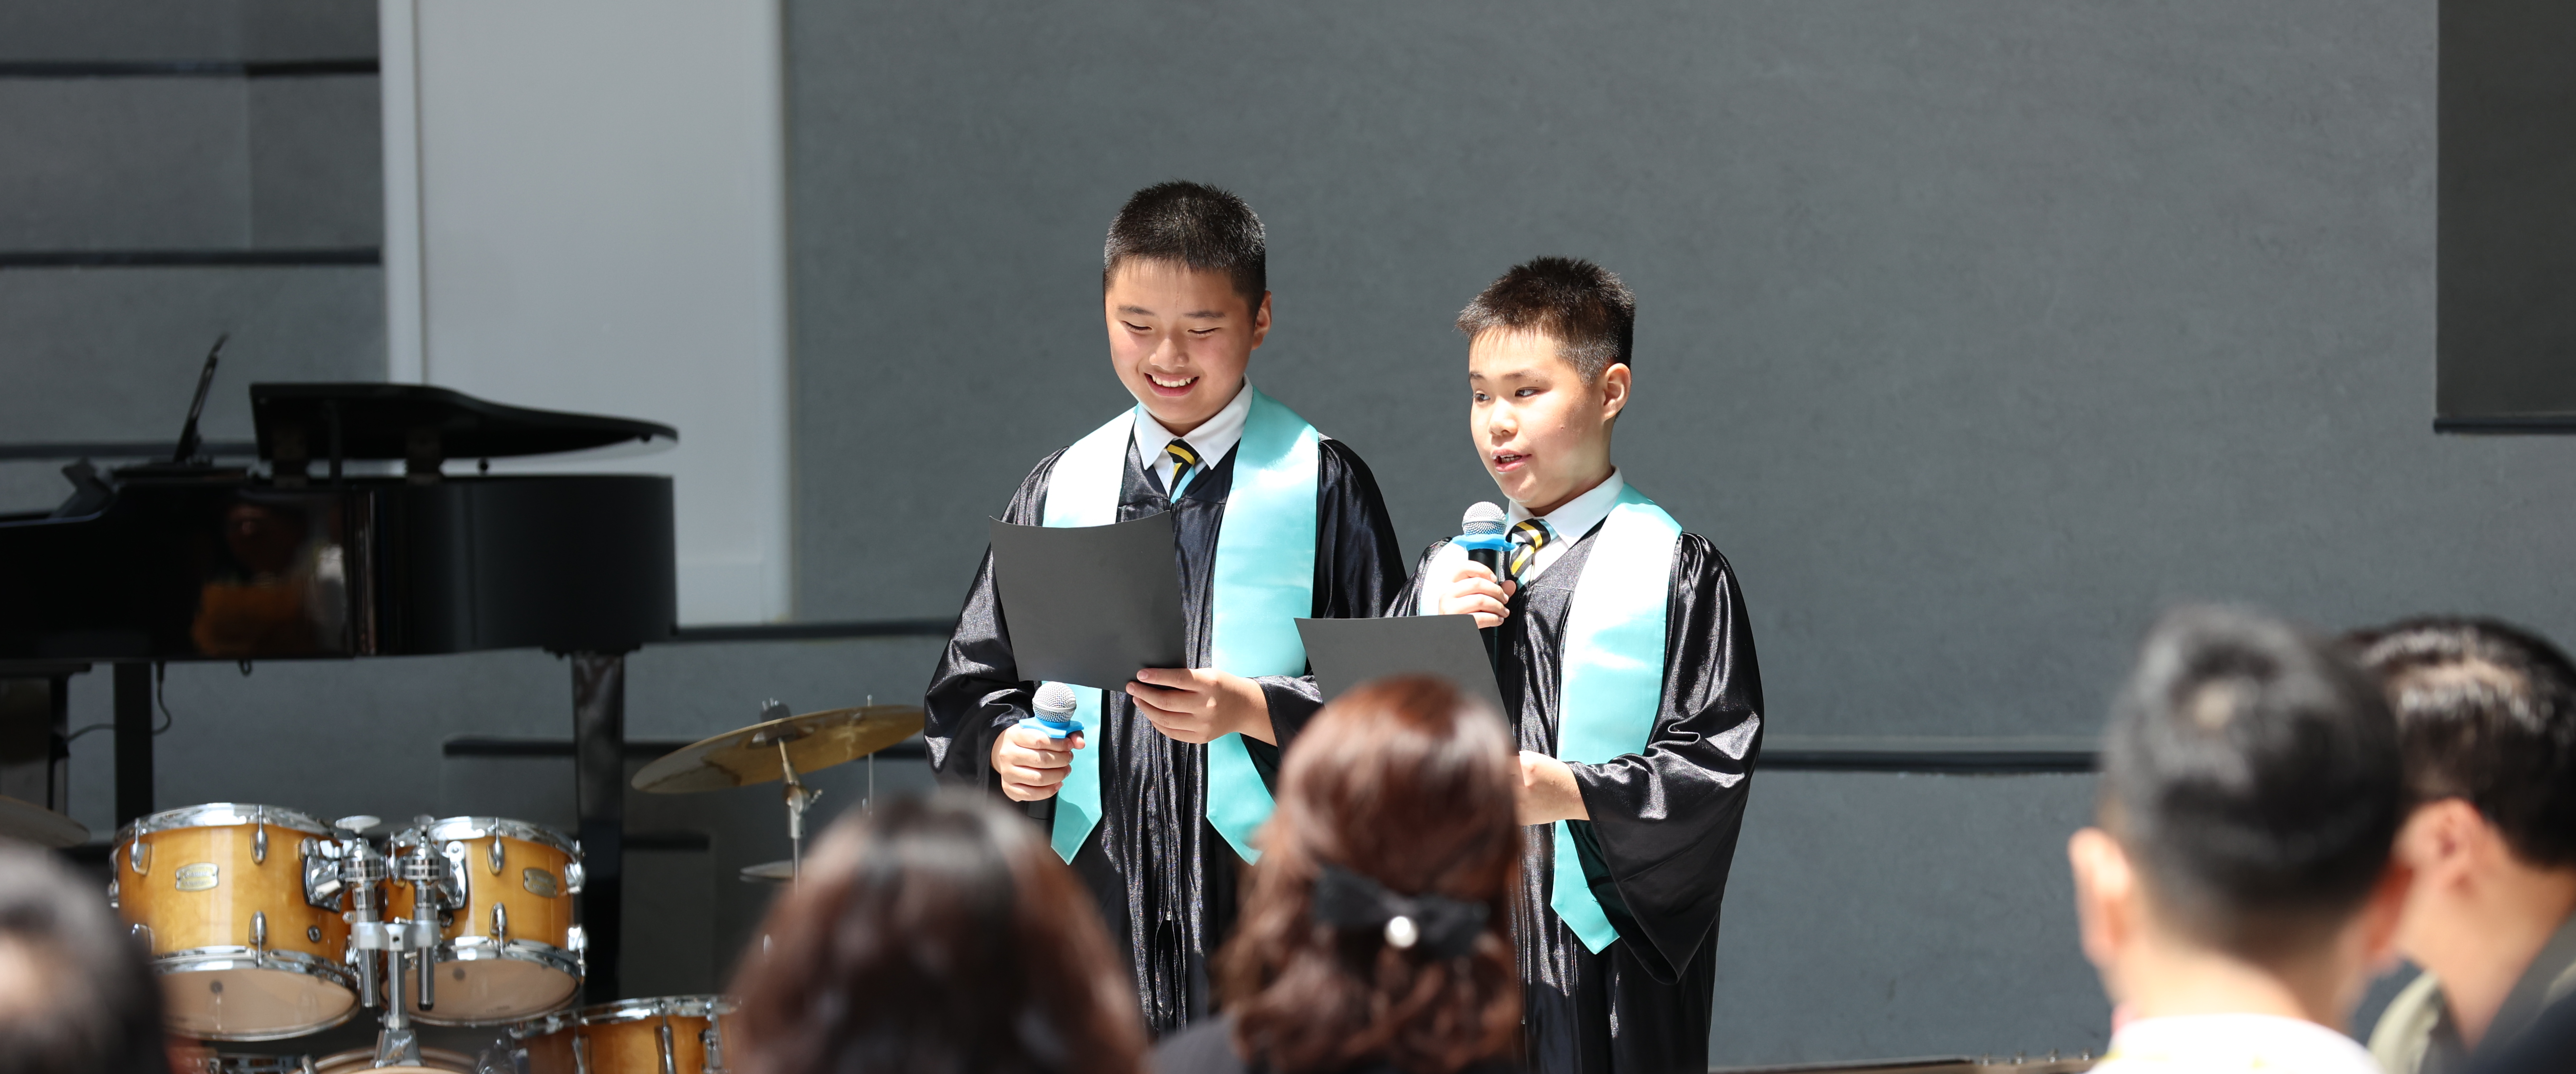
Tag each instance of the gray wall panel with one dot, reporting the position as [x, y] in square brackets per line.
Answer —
[317, 162]
[186, 29]
[108, 163]
[111, 354]
[1891, 915]
[120, 29]
[1972, 331]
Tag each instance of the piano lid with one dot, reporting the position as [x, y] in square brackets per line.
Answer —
[422, 422]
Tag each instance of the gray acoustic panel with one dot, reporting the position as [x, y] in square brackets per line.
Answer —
[317, 163]
[113, 353]
[124, 163]
[107, 30]
[1876, 916]
[1973, 333]
[58, 30]
[308, 29]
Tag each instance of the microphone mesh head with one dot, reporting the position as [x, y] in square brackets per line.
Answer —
[1482, 517]
[1055, 699]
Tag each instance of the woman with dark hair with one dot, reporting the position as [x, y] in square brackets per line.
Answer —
[936, 936]
[1377, 936]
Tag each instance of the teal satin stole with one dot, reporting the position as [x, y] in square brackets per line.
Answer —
[1264, 582]
[1614, 673]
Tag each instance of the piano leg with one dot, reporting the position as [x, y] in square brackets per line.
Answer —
[133, 742]
[599, 789]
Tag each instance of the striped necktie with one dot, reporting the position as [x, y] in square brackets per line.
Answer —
[1527, 538]
[1185, 463]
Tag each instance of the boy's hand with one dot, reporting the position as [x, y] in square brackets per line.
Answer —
[1472, 590]
[1032, 764]
[1548, 792]
[1201, 705]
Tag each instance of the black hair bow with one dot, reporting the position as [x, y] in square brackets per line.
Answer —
[1445, 927]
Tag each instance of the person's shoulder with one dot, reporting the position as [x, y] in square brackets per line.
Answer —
[2233, 1042]
[2405, 1029]
[1205, 1047]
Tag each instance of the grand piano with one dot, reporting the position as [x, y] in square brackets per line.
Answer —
[304, 558]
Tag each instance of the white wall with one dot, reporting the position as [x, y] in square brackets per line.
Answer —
[586, 211]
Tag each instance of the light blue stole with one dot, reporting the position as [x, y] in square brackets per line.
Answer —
[1264, 582]
[1614, 673]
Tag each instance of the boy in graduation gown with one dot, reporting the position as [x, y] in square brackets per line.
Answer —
[1154, 804]
[1626, 661]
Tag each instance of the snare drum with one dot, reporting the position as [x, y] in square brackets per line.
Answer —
[245, 947]
[508, 947]
[663, 1035]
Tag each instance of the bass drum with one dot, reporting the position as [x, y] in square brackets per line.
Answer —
[662, 1035]
[220, 891]
[507, 947]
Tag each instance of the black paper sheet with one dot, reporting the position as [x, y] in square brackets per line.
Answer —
[1090, 605]
[1347, 652]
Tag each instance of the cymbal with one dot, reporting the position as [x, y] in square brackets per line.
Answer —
[769, 872]
[814, 740]
[39, 825]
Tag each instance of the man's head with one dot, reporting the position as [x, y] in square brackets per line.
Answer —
[76, 994]
[2250, 789]
[2486, 713]
[1184, 289]
[1547, 363]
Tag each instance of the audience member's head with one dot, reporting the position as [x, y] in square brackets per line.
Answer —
[2487, 716]
[2250, 789]
[1377, 927]
[936, 935]
[76, 991]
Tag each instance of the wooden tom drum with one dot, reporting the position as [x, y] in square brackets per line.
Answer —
[508, 945]
[662, 1035]
[221, 893]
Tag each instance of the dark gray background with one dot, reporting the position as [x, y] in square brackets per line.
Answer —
[1973, 331]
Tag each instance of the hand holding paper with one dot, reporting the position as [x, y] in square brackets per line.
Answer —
[1202, 705]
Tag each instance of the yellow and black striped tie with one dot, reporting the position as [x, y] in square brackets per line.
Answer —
[1184, 463]
[1527, 538]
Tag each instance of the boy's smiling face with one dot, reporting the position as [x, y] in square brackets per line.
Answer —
[1180, 338]
[1543, 431]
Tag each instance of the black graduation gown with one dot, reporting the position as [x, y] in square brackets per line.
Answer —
[1663, 827]
[1164, 878]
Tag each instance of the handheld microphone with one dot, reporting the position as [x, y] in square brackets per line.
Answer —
[1053, 715]
[1480, 532]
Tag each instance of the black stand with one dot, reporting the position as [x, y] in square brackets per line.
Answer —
[133, 742]
[599, 792]
[35, 724]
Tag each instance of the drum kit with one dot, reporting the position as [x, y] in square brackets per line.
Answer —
[265, 923]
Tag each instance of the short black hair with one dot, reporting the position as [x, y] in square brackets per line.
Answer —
[97, 1008]
[1582, 306]
[2251, 770]
[1192, 224]
[2486, 711]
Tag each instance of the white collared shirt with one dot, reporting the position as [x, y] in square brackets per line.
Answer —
[2232, 1044]
[1212, 439]
[1571, 521]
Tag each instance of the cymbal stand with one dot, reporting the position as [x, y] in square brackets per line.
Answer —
[798, 797]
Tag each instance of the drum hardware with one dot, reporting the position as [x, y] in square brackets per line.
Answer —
[510, 949]
[711, 1043]
[785, 748]
[259, 843]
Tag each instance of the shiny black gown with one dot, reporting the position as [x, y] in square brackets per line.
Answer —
[1164, 878]
[1663, 827]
